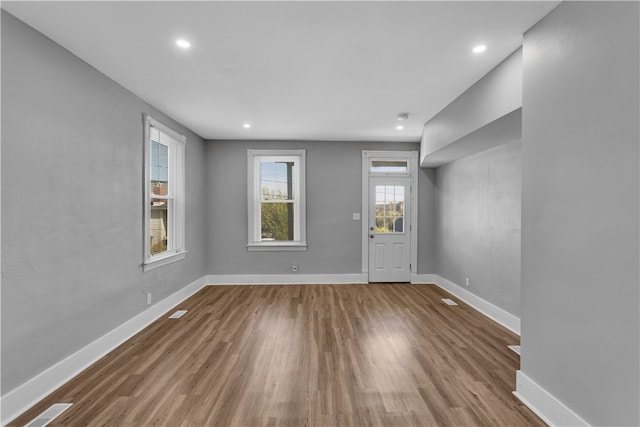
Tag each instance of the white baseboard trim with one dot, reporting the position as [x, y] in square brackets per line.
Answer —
[284, 279]
[28, 394]
[423, 279]
[544, 404]
[494, 312]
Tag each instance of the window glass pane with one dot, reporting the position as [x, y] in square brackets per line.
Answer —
[277, 180]
[276, 221]
[164, 223]
[158, 225]
[159, 172]
[389, 208]
[388, 166]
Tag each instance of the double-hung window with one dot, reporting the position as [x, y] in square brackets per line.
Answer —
[164, 190]
[276, 200]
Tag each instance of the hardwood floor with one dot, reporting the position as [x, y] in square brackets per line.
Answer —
[310, 355]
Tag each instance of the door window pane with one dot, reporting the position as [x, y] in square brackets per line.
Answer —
[390, 208]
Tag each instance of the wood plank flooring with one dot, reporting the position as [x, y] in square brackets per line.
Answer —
[308, 355]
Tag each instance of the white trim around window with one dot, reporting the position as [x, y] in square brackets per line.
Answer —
[295, 198]
[166, 189]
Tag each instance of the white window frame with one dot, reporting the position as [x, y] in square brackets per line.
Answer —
[176, 227]
[255, 242]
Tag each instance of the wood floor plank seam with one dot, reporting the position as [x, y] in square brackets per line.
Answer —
[304, 355]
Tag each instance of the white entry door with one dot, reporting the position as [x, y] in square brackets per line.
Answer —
[389, 239]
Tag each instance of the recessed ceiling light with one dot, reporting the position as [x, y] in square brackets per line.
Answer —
[246, 125]
[399, 127]
[183, 43]
[479, 49]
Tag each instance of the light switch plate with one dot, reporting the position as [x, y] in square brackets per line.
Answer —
[356, 216]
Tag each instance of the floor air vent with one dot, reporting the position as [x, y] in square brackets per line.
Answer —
[47, 416]
[449, 301]
[178, 314]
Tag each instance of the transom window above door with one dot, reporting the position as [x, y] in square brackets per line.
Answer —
[389, 166]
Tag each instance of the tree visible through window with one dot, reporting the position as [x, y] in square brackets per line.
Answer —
[389, 208]
[276, 200]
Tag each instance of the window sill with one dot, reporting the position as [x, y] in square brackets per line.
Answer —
[167, 259]
[272, 247]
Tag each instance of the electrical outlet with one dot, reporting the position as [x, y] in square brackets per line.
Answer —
[294, 268]
[467, 282]
[148, 298]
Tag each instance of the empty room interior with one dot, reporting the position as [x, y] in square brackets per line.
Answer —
[320, 213]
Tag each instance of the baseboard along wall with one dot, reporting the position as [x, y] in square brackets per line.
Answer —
[490, 310]
[28, 394]
[285, 279]
[499, 315]
[540, 401]
[545, 405]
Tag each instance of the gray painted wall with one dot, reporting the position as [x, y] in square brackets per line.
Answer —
[426, 221]
[477, 228]
[580, 249]
[334, 192]
[72, 199]
[500, 131]
[498, 93]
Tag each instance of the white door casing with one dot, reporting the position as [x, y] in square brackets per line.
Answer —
[389, 256]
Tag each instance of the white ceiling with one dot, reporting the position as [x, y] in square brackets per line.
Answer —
[294, 70]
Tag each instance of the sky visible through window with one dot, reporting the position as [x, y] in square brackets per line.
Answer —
[273, 179]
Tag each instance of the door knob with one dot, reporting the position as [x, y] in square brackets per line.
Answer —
[371, 235]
